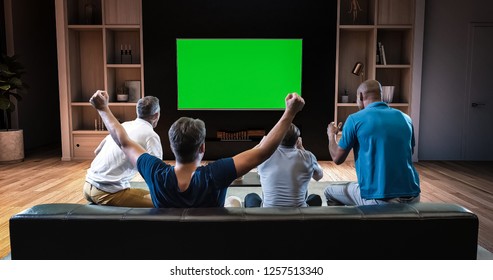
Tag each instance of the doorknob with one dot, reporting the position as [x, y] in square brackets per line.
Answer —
[474, 104]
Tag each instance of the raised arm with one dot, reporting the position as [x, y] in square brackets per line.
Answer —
[131, 149]
[245, 161]
[338, 154]
[99, 147]
[318, 172]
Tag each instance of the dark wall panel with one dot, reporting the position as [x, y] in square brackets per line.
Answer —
[3, 42]
[313, 21]
[34, 30]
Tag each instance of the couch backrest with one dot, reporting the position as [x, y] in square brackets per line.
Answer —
[393, 231]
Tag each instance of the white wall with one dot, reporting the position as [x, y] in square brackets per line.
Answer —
[443, 92]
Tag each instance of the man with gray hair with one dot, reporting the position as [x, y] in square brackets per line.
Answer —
[108, 178]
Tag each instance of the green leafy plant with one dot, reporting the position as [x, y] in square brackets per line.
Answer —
[11, 85]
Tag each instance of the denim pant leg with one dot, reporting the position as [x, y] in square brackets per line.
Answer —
[314, 200]
[343, 194]
[252, 200]
[400, 200]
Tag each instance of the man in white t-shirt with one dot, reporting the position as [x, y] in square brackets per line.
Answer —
[108, 178]
[285, 175]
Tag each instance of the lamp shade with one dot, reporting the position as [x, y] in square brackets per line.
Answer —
[358, 69]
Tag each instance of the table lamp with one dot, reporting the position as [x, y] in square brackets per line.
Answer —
[358, 70]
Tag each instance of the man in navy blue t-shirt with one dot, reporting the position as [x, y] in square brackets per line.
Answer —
[188, 183]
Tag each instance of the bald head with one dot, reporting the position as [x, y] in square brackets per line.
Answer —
[370, 87]
[368, 92]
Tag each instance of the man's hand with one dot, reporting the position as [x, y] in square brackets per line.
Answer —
[294, 103]
[299, 144]
[332, 129]
[249, 159]
[131, 149]
[338, 154]
[99, 99]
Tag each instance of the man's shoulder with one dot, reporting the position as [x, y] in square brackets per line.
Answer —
[308, 156]
[147, 159]
[220, 162]
[308, 152]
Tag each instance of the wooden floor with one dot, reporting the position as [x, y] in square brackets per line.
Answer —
[43, 178]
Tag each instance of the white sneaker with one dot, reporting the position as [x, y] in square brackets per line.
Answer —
[232, 201]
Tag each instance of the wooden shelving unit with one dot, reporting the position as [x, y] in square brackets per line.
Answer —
[92, 36]
[359, 30]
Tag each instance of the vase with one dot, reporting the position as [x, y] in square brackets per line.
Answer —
[387, 93]
[12, 145]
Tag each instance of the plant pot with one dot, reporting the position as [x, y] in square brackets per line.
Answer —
[12, 145]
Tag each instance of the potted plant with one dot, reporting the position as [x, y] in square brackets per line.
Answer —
[11, 86]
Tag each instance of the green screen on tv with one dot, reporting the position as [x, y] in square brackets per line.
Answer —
[237, 74]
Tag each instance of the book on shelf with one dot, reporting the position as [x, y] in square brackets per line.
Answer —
[241, 135]
[381, 50]
[256, 133]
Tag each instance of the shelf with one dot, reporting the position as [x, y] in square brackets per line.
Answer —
[340, 104]
[118, 40]
[122, 12]
[382, 21]
[84, 115]
[90, 132]
[123, 66]
[84, 12]
[85, 27]
[111, 104]
[393, 66]
[131, 27]
[362, 14]
[394, 27]
[397, 44]
[391, 13]
[357, 27]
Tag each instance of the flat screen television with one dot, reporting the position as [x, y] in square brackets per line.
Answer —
[237, 74]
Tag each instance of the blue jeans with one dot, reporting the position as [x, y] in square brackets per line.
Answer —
[348, 193]
[254, 200]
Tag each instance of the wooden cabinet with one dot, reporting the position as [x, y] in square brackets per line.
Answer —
[99, 47]
[362, 26]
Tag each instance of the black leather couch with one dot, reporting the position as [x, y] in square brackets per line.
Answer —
[386, 232]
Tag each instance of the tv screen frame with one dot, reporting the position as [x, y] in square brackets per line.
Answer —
[237, 73]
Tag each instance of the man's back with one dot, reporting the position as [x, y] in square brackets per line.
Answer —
[110, 170]
[285, 176]
[383, 140]
[207, 187]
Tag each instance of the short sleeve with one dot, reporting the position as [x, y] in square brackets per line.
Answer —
[154, 146]
[147, 165]
[223, 171]
[348, 138]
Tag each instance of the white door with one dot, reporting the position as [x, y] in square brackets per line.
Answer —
[478, 144]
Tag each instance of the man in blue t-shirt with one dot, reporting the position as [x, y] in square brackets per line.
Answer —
[188, 183]
[382, 139]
